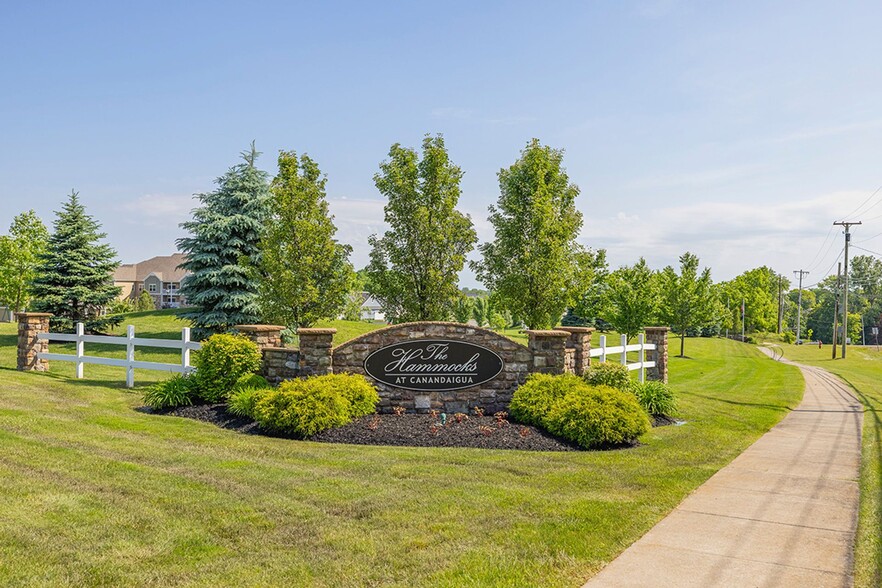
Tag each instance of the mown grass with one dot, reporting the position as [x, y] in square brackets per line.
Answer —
[862, 370]
[94, 492]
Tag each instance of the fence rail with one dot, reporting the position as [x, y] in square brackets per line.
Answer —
[79, 358]
[641, 347]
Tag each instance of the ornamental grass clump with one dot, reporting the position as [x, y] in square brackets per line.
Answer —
[176, 391]
[532, 401]
[610, 374]
[593, 416]
[220, 363]
[308, 406]
[656, 398]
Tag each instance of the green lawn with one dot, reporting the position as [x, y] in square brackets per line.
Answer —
[94, 492]
[862, 370]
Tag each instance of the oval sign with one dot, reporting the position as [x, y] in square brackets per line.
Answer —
[433, 365]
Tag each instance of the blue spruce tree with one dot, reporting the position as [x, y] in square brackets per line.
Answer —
[225, 237]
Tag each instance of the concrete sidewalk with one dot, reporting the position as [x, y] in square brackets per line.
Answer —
[783, 513]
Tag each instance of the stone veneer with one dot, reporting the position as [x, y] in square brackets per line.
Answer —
[579, 342]
[30, 324]
[492, 396]
[659, 337]
[549, 350]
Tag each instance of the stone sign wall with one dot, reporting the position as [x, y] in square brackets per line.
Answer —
[448, 362]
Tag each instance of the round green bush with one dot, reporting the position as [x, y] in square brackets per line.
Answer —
[360, 393]
[220, 363]
[305, 407]
[532, 400]
[610, 374]
[176, 391]
[656, 397]
[592, 416]
[242, 400]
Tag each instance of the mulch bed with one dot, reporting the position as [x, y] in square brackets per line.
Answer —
[408, 430]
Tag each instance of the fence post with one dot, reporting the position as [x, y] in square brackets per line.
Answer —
[623, 340]
[580, 340]
[130, 357]
[185, 349]
[603, 349]
[641, 373]
[658, 336]
[30, 326]
[81, 345]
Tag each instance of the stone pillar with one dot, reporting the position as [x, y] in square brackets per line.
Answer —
[549, 351]
[580, 341]
[316, 358]
[30, 324]
[264, 335]
[659, 337]
[280, 363]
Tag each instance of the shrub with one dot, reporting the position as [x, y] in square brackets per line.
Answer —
[220, 363]
[789, 337]
[597, 415]
[655, 397]
[532, 400]
[250, 381]
[362, 396]
[610, 374]
[176, 391]
[242, 400]
[305, 407]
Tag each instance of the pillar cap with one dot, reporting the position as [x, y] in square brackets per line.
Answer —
[656, 328]
[547, 333]
[259, 328]
[33, 314]
[576, 329]
[316, 331]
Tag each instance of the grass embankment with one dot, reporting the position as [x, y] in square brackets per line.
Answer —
[94, 492]
[862, 370]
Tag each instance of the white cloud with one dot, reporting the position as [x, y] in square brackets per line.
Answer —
[157, 210]
[729, 237]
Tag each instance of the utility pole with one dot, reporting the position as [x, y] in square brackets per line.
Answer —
[780, 302]
[800, 273]
[847, 225]
[836, 308]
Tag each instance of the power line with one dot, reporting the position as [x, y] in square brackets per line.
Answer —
[867, 250]
[814, 266]
[830, 232]
[864, 202]
[829, 269]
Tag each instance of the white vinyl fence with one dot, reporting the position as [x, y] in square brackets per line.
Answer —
[130, 342]
[641, 347]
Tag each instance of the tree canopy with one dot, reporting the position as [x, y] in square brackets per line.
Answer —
[687, 299]
[415, 265]
[304, 273]
[534, 266]
[632, 298]
[20, 253]
[74, 279]
[225, 236]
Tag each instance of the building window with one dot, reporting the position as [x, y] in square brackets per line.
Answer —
[151, 288]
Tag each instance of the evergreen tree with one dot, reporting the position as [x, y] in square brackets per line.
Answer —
[305, 273]
[225, 237]
[74, 280]
[20, 253]
[534, 266]
[415, 266]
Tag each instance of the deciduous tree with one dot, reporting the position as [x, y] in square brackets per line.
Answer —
[20, 253]
[305, 274]
[415, 265]
[687, 299]
[632, 298]
[534, 265]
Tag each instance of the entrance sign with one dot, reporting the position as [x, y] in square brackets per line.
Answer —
[433, 365]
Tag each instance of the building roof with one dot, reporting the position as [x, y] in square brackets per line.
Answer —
[164, 267]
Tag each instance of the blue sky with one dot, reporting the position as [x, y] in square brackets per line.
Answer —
[736, 130]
